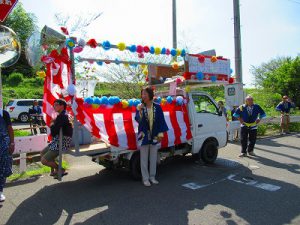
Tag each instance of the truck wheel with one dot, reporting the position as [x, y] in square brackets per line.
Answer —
[135, 166]
[209, 152]
[23, 117]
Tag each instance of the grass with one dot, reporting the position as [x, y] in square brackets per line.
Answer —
[21, 133]
[34, 172]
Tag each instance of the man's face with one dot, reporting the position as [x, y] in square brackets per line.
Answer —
[249, 101]
[35, 103]
[58, 107]
[285, 99]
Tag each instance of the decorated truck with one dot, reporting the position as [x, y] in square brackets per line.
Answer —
[196, 125]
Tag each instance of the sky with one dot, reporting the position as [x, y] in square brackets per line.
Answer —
[269, 28]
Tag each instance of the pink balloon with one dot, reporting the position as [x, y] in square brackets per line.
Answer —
[78, 49]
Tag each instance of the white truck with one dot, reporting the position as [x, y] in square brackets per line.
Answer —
[208, 127]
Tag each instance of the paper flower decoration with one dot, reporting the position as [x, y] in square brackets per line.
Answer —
[146, 49]
[141, 55]
[139, 49]
[145, 72]
[97, 101]
[231, 80]
[158, 100]
[169, 99]
[163, 51]
[188, 89]
[163, 101]
[100, 63]
[117, 61]
[168, 52]
[157, 51]
[92, 43]
[71, 90]
[64, 30]
[175, 66]
[213, 78]
[178, 52]
[178, 81]
[121, 46]
[106, 45]
[200, 76]
[130, 102]
[132, 48]
[125, 104]
[78, 49]
[81, 43]
[41, 74]
[214, 59]
[231, 71]
[179, 100]
[201, 58]
[70, 43]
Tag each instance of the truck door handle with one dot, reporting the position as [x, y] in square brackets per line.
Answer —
[200, 125]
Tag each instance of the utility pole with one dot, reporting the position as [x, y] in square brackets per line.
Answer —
[174, 24]
[237, 41]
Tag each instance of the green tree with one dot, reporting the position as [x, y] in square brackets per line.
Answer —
[23, 23]
[281, 75]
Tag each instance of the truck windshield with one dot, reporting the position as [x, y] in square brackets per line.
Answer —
[203, 104]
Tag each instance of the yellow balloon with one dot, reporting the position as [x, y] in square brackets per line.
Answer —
[126, 64]
[125, 104]
[143, 66]
[178, 51]
[41, 74]
[163, 101]
[157, 51]
[121, 46]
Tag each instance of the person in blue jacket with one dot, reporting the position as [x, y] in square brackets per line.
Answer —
[35, 113]
[284, 108]
[151, 128]
[249, 116]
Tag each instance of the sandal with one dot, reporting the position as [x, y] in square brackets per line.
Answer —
[64, 173]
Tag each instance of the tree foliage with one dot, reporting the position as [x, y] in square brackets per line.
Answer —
[23, 23]
[281, 75]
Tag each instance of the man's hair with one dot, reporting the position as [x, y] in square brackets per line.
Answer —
[150, 92]
[249, 97]
[285, 97]
[61, 102]
[221, 102]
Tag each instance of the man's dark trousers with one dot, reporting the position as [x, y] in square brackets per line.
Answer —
[248, 132]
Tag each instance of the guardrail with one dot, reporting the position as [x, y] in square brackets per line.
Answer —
[233, 126]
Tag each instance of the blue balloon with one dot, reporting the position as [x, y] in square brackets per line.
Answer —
[100, 63]
[163, 51]
[104, 100]
[213, 78]
[200, 76]
[169, 99]
[117, 61]
[158, 100]
[130, 102]
[173, 52]
[183, 53]
[136, 102]
[179, 100]
[89, 100]
[117, 100]
[106, 45]
[231, 71]
[132, 48]
[97, 101]
[152, 50]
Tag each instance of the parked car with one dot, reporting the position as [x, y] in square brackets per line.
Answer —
[18, 108]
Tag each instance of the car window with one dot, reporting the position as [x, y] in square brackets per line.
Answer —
[25, 103]
[203, 104]
[10, 103]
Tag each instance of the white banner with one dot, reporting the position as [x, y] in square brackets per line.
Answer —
[85, 88]
[221, 66]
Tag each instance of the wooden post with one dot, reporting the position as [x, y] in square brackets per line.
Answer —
[22, 162]
[60, 155]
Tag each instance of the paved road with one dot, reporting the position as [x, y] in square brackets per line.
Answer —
[261, 190]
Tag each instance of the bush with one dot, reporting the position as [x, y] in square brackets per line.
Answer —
[15, 79]
[295, 127]
[262, 129]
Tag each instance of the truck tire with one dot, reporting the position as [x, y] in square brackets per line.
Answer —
[23, 117]
[135, 166]
[209, 152]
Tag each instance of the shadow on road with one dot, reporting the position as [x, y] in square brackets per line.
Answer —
[110, 197]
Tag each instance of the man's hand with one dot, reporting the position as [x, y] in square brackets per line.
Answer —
[11, 148]
[241, 121]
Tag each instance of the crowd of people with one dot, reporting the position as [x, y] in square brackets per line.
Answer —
[151, 128]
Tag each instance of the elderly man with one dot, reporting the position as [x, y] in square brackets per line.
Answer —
[249, 116]
[284, 108]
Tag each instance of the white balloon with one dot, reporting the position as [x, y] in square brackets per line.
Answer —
[33, 49]
[10, 47]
